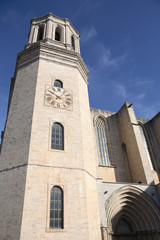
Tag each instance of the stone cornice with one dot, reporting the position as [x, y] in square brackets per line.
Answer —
[48, 52]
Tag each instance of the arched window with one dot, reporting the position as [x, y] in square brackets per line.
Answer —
[40, 33]
[57, 138]
[102, 141]
[73, 42]
[58, 34]
[56, 208]
[58, 83]
[146, 145]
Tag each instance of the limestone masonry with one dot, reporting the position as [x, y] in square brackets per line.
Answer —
[68, 171]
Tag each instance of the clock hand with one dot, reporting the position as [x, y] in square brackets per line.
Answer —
[60, 95]
[53, 93]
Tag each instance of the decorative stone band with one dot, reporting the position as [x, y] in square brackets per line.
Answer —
[40, 50]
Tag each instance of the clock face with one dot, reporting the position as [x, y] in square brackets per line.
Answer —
[58, 97]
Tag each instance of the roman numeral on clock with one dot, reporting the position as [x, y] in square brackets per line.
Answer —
[49, 98]
[68, 102]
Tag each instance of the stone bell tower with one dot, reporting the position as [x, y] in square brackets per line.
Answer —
[47, 162]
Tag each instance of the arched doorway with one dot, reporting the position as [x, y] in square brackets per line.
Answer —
[124, 230]
[132, 215]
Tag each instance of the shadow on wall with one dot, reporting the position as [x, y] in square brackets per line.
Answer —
[132, 215]
[12, 185]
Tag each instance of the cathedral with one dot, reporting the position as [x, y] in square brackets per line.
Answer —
[68, 171]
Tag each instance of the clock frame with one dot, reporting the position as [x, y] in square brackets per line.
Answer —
[58, 97]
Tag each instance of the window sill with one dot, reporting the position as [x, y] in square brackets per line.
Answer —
[56, 150]
[50, 230]
[105, 166]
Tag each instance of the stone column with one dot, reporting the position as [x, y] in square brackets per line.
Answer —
[77, 46]
[49, 29]
[67, 40]
[35, 33]
[53, 32]
[30, 40]
[44, 33]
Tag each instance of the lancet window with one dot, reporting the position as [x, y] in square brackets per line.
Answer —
[100, 125]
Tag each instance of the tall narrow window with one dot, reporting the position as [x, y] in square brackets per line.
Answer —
[56, 208]
[58, 34]
[40, 33]
[73, 42]
[146, 146]
[57, 138]
[102, 142]
[58, 83]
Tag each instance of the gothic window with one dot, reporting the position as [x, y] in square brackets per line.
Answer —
[56, 208]
[102, 141]
[40, 33]
[146, 145]
[57, 137]
[58, 83]
[58, 34]
[73, 42]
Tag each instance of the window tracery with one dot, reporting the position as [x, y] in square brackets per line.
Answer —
[102, 141]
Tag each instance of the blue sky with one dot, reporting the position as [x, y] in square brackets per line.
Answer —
[120, 44]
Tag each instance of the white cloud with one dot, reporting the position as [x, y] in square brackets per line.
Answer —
[121, 90]
[105, 56]
[86, 7]
[140, 96]
[145, 111]
[87, 34]
[143, 82]
[107, 61]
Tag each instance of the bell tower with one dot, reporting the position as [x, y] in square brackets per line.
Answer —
[54, 31]
[47, 162]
